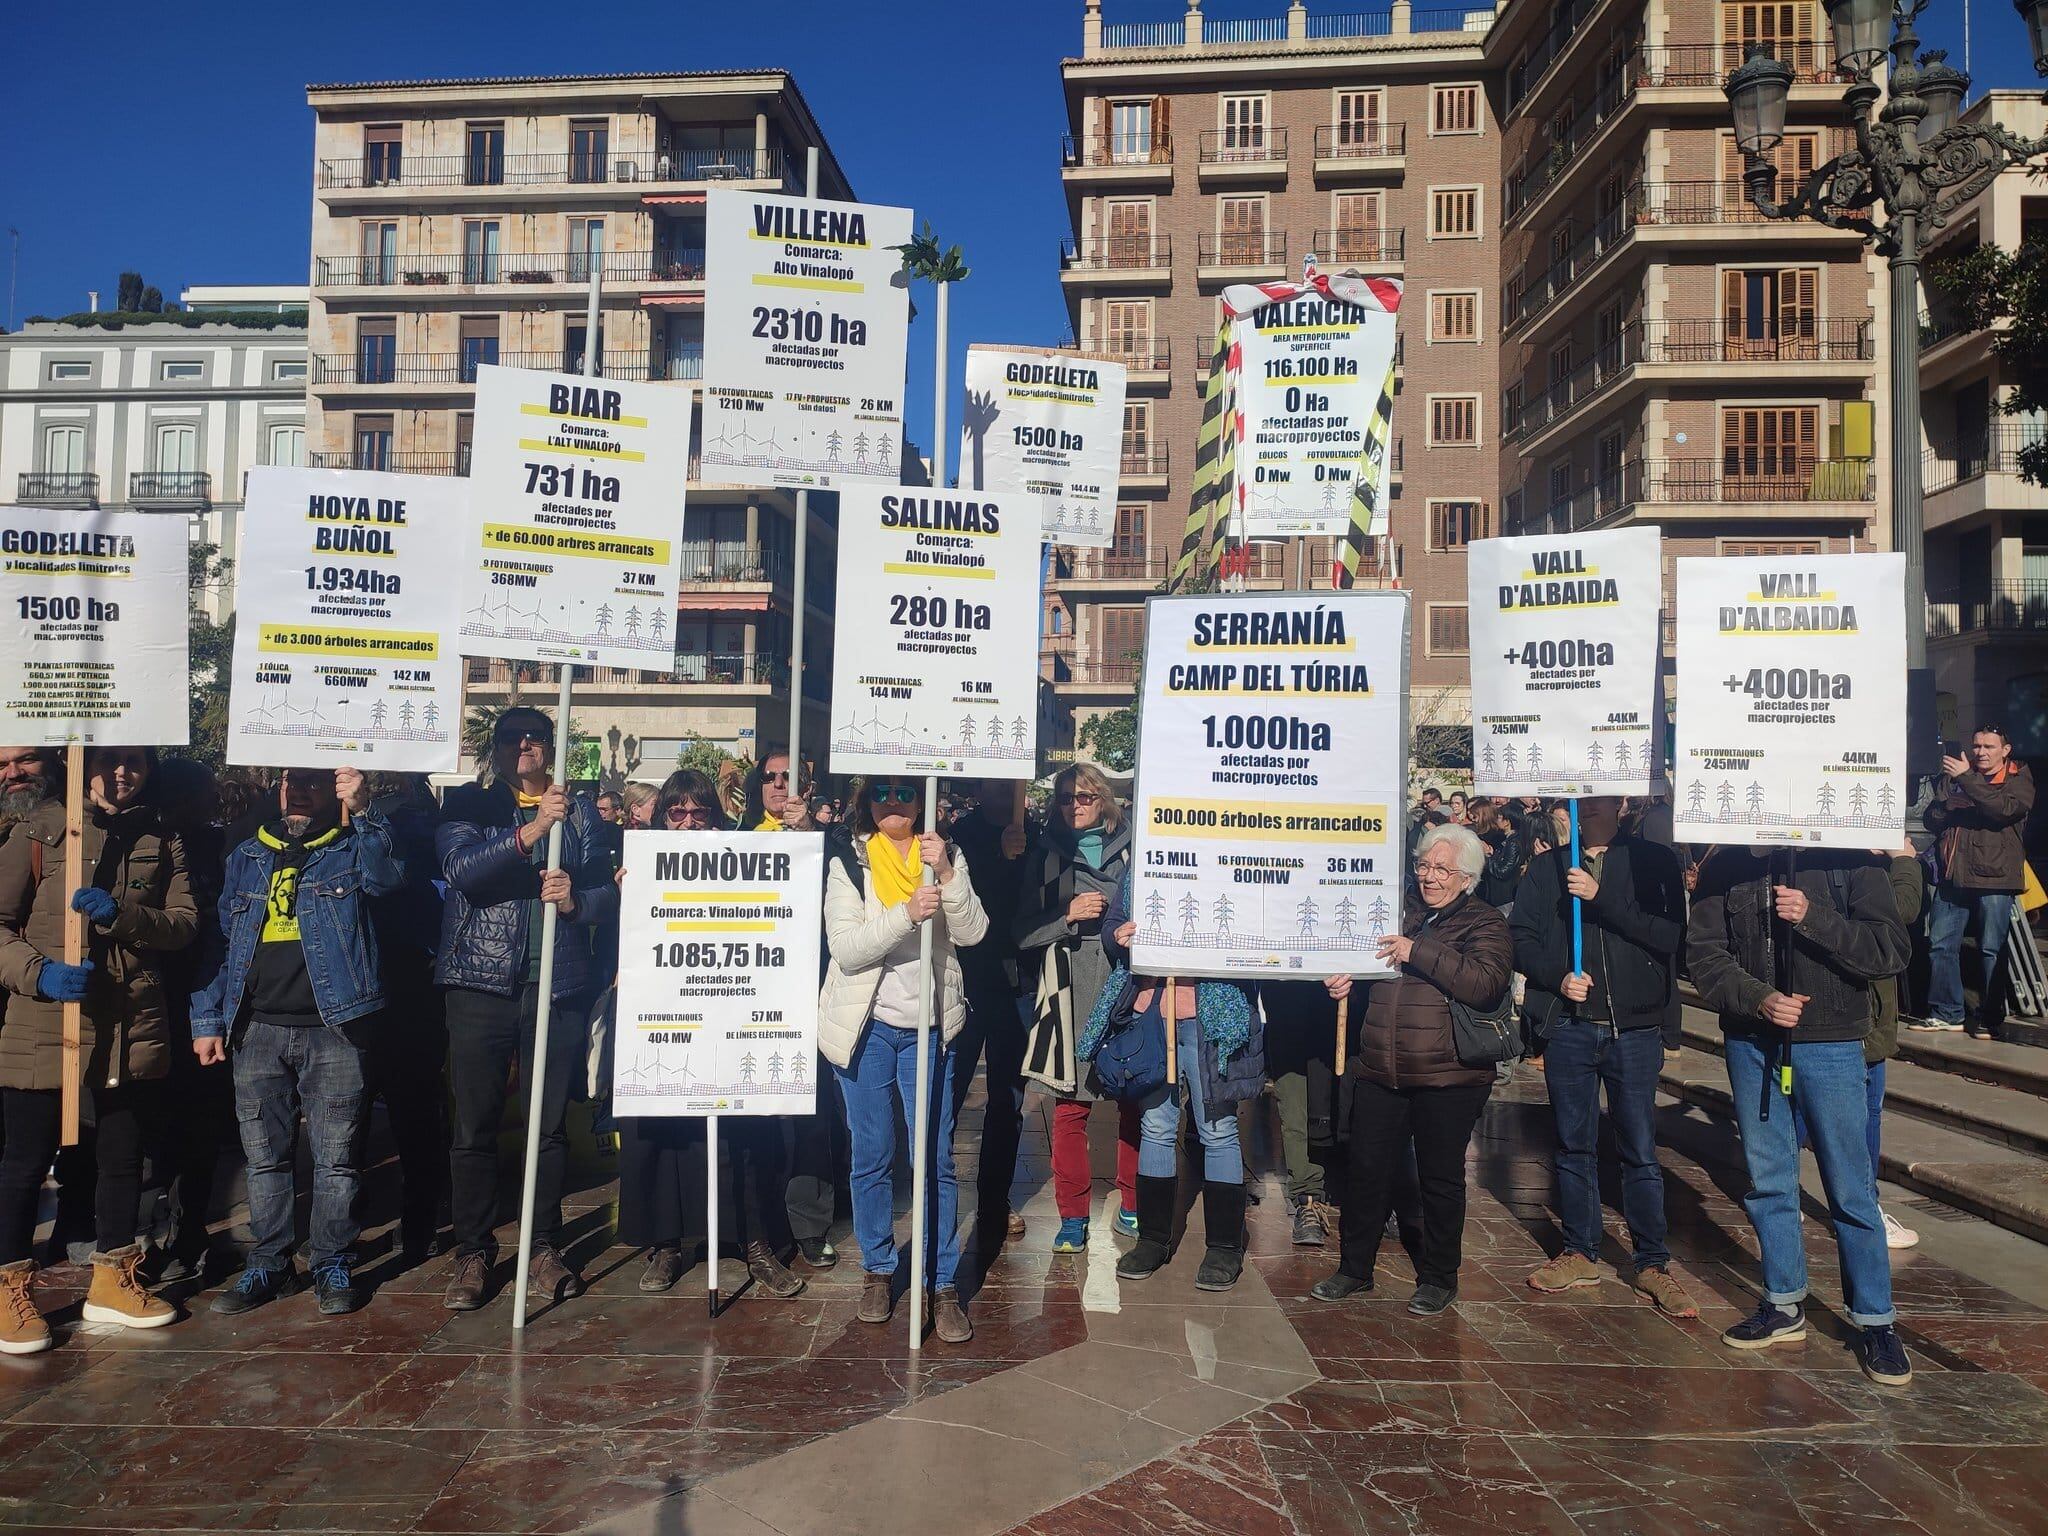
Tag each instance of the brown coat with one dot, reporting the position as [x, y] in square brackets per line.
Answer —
[1405, 1039]
[125, 1020]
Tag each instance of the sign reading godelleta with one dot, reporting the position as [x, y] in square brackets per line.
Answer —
[93, 639]
[1047, 426]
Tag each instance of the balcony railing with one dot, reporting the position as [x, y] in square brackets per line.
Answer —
[1710, 202]
[2009, 607]
[1240, 146]
[1097, 151]
[396, 463]
[1566, 147]
[1612, 361]
[422, 368]
[1605, 497]
[1139, 356]
[732, 671]
[1138, 462]
[193, 487]
[486, 169]
[58, 488]
[1356, 247]
[1524, 304]
[1935, 329]
[1747, 477]
[1710, 64]
[1544, 53]
[1994, 450]
[506, 268]
[1112, 565]
[1064, 667]
[720, 562]
[1361, 141]
[1259, 249]
[1143, 34]
[1351, 24]
[1810, 339]
[1116, 253]
[1245, 29]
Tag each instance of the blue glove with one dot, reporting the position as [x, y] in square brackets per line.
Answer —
[62, 983]
[99, 906]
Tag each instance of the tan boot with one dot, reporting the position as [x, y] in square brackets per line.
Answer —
[22, 1329]
[118, 1296]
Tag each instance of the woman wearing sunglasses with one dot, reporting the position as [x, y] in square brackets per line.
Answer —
[774, 803]
[876, 901]
[661, 1157]
[1086, 850]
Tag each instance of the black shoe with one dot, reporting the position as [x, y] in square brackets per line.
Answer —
[1155, 1230]
[1339, 1286]
[334, 1283]
[817, 1253]
[1430, 1300]
[1223, 1215]
[1883, 1357]
[253, 1289]
[1310, 1230]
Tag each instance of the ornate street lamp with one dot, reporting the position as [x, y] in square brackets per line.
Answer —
[1912, 166]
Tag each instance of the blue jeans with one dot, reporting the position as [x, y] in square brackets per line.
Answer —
[1577, 1059]
[1830, 1087]
[1159, 1122]
[879, 1088]
[1873, 1093]
[278, 1072]
[1946, 923]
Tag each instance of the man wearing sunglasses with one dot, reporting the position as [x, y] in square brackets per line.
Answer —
[493, 849]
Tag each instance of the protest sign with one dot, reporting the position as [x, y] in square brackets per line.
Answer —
[1564, 663]
[806, 322]
[1272, 760]
[935, 662]
[575, 519]
[1048, 426]
[94, 638]
[718, 973]
[345, 636]
[1792, 700]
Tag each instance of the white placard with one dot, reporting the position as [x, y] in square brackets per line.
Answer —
[1792, 700]
[1310, 374]
[345, 622]
[1047, 425]
[718, 973]
[576, 519]
[93, 632]
[1564, 663]
[806, 322]
[1272, 755]
[935, 661]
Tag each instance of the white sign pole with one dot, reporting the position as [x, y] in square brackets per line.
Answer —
[536, 1080]
[796, 623]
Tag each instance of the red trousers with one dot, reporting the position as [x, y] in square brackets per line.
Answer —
[1073, 1179]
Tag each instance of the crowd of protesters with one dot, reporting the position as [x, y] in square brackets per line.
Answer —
[292, 948]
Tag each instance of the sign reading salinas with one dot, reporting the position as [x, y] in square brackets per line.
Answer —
[1271, 772]
[718, 973]
[935, 664]
[1049, 426]
[806, 318]
[1564, 663]
[344, 653]
[1791, 700]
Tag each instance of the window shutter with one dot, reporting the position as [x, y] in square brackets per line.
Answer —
[1162, 129]
[1733, 287]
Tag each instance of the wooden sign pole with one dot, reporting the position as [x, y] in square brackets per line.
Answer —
[1343, 1029]
[1172, 1029]
[74, 933]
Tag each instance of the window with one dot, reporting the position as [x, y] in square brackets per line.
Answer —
[1794, 160]
[479, 337]
[1454, 213]
[1560, 485]
[572, 358]
[70, 372]
[1786, 27]
[1607, 461]
[1242, 221]
[1244, 128]
[1771, 313]
[1357, 235]
[1129, 241]
[286, 446]
[480, 250]
[177, 447]
[484, 163]
[1127, 328]
[1122, 641]
[1768, 549]
[1455, 524]
[586, 248]
[465, 434]
[1454, 109]
[1453, 421]
[1449, 632]
[1126, 555]
[1131, 132]
[373, 442]
[380, 252]
[288, 370]
[382, 161]
[1560, 364]
[1454, 316]
[1511, 406]
[182, 369]
[1768, 452]
[588, 160]
[64, 450]
[376, 349]
[1361, 122]
[1137, 439]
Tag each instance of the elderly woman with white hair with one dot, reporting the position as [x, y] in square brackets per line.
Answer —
[1408, 1084]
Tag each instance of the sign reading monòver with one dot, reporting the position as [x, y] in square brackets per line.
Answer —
[1049, 426]
[575, 518]
[345, 642]
[1271, 765]
[94, 639]
[935, 661]
[1564, 663]
[806, 321]
[718, 973]
[1310, 374]
[1792, 700]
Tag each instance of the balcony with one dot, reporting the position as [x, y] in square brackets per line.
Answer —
[1811, 339]
[163, 489]
[759, 670]
[1746, 478]
[1073, 674]
[709, 563]
[1683, 203]
[1355, 151]
[509, 269]
[600, 168]
[1981, 472]
[1129, 159]
[59, 488]
[1360, 247]
[1241, 154]
[1607, 497]
[1108, 568]
[1241, 257]
[1144, 468]
[395, 463]
[2009, 607]
[1540, 412]
[1549, 166]
[1118, 261]
[1146, 362]
[457, 370]
[1527, 78]
[1522, 302]
[1707, 66]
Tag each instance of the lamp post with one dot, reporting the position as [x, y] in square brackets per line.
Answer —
[1913, 162]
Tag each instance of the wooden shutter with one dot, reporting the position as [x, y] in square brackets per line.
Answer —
[1449, 629]
[1123, 638]
[1162, 130]
[1798, 321]
[1734, 288]
[1130, 235]
[1129, 549]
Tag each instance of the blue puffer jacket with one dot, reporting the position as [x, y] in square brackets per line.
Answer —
[493, 886]
[335, 886]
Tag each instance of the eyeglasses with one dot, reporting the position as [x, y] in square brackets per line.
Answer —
[902, 794]
[1438, 872]
[1080, 797]
[777, 778]
[516, 738]
[678, 814]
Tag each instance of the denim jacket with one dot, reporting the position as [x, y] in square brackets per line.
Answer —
[335, 930]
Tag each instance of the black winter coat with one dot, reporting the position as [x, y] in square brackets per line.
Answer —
[1637, 921]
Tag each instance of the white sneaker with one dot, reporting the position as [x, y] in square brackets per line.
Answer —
[1936, 1026]
[1896, 1236]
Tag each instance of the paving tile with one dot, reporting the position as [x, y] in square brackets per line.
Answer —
[1436, 1484]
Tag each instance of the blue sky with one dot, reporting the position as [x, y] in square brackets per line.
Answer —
[177, 141]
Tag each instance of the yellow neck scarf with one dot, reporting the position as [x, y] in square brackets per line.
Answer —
[895, 876]
[768, 824]
[526, 802]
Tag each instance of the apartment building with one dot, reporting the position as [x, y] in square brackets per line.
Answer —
[457, 223]
[1597, 327]
[1987, 529]
[163, 416]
